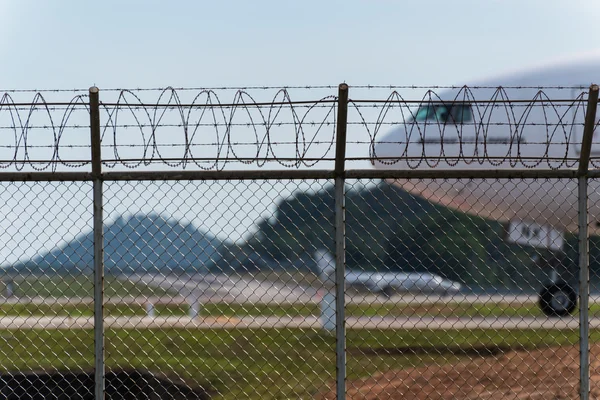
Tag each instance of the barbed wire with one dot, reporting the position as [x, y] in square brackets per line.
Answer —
[211, 108]
[303, 87]
[335, 87]
[160, 89]
[436, 87]
[279, 124]
[437, 129]
[503, 128]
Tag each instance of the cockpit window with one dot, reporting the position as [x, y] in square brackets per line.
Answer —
[445, 113]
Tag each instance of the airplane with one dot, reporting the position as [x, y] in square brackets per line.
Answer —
[452, 130]
[386, 284]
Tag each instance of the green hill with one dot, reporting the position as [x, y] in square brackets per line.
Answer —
[388, 228]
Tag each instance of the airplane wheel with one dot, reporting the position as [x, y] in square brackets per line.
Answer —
[388, 292]
[558, 299]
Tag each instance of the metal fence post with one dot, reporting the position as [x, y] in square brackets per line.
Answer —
[340, 241]
[99, 384]
[584, 256]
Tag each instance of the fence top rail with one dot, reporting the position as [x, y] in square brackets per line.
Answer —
[285, 174]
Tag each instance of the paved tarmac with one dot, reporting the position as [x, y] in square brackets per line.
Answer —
[198, 290]
[246, 289]
[310, 322]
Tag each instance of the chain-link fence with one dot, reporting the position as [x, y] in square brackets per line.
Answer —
[244, 248]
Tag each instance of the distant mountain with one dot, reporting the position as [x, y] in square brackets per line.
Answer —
[140, 243]
[387, 228]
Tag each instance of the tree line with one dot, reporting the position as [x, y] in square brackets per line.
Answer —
[388, 228]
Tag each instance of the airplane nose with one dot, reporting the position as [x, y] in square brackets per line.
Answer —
[451, 287]
[403, 147]
[389, 147]
[455, 288]
[413, 145]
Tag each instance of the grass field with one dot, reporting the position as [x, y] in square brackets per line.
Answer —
[80, 286]
[253, 363]
[441, 309]
[261, 363]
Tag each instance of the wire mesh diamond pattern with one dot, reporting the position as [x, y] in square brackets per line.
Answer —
[232, 227]
[228, 306]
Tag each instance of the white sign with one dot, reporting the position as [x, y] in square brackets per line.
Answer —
[535, 235]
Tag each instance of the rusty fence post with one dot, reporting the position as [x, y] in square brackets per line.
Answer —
[99, 384]
[340, 241]
[584, 256]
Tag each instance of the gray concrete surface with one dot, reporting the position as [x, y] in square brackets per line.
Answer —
[310, 322]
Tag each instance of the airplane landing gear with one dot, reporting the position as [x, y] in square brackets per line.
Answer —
[388, 292]
[558, 299]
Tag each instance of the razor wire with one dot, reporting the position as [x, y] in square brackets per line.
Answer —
[212, 129]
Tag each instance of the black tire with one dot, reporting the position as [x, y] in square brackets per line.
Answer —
[388, 292]
[558, 299]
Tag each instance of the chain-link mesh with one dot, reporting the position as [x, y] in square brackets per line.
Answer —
[221, 293]
[594, 278]
[222, 273]
[451, 308]
[235, 310]
[46, 304]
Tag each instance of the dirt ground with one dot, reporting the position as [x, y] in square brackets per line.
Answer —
[547, 374]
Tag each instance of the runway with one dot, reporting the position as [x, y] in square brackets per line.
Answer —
[309, 322]
[204, 289]
[230, 288]
[217, 288]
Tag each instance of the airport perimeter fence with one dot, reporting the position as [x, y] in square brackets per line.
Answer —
[238, 243]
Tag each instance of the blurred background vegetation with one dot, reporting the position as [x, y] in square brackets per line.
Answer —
[390, 229]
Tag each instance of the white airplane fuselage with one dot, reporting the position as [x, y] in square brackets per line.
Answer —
[386, 283]
[488, 133]
[401, 282]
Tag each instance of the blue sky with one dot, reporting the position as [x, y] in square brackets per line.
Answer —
[66, 44]
[73, 43]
